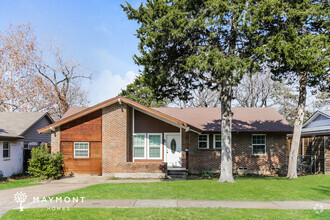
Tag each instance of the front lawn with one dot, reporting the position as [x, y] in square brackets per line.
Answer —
[315, 187]
[165, 213]
[20, 183]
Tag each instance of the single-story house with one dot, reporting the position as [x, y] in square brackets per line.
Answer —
[18, 135]
[314, 146]
[122, 138]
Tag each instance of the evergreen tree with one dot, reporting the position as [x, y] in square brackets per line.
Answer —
[138, 91]
[188, 44]
[297, 46]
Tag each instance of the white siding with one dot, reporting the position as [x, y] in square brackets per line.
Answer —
[13, 164]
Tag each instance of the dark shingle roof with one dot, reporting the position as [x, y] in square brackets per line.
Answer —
[244, 119]
[209, 119]
[14, 124]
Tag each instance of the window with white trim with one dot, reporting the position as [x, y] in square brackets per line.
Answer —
[217, 141]
[81, 150]
[139, 145]
[203, 141]
[154, 143]
[5, 150]
[259, 144]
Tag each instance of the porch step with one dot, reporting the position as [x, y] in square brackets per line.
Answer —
[177, 173]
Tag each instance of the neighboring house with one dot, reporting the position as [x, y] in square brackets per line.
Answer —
[315, 141]
[122, 138]
[18, 135]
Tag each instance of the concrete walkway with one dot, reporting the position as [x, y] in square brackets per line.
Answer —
[49, 188]
[138, 203]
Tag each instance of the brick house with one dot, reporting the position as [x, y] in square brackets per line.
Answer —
[122, 138]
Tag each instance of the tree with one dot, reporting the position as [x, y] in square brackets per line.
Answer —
[298, 49]
[32, 79]
[190, 44]
[18, 53]
[200, 98]
[138, 91]
[64, 80]
[255, 90]
[322, 101]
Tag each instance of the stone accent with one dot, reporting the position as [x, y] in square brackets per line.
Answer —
[55, 141]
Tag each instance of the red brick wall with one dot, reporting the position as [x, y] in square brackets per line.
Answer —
[116, 138]
[209, 159]
[55, 141]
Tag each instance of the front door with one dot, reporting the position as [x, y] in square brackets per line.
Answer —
[173, 150]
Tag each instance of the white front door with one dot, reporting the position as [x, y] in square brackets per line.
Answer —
[173, 150]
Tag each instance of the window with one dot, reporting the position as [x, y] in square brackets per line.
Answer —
[217, 141]
[26, 145]
[259, 144]
[155, 144]
[203, 141]
[81, 150]
[5, 150]
[139, 145]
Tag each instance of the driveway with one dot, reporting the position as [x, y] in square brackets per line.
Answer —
[53, 187]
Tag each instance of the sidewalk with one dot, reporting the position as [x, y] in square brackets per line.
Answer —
[138, 203]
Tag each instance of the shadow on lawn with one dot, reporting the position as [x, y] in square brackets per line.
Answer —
[323, 189]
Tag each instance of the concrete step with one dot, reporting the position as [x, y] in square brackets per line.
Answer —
[177, 171]
[177, 177]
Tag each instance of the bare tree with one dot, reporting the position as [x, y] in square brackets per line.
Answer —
[64, 77]
[201, 98]
[256, 90]
[17, 56]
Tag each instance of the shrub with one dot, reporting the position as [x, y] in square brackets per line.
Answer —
[43, 163]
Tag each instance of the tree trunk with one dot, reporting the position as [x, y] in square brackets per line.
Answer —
[292, 169]
[226, 174]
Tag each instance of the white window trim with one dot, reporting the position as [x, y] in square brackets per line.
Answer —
[145, 146]
[207, 142]
[4, 149]
[259, 144]
[161, 147]
[74, 150]
[214, 145]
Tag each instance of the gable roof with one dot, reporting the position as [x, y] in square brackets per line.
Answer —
[244, 119]
[72, 111]
[316, 114]
[198, 119]
[108, 102]
[317, 127]
[15, 124]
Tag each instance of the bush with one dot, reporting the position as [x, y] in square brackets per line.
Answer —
[43, 163]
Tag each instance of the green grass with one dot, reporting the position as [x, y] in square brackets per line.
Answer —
[315, 187]
[164, 213]
[20, 183]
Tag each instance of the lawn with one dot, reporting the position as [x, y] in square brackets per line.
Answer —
[164, 213]
[315, 187]
[20, 183]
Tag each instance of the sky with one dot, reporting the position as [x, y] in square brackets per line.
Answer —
[96, 32]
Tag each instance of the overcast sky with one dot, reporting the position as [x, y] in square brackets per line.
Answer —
[96, 32]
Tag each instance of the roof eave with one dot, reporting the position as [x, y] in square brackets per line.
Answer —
[101, 105]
